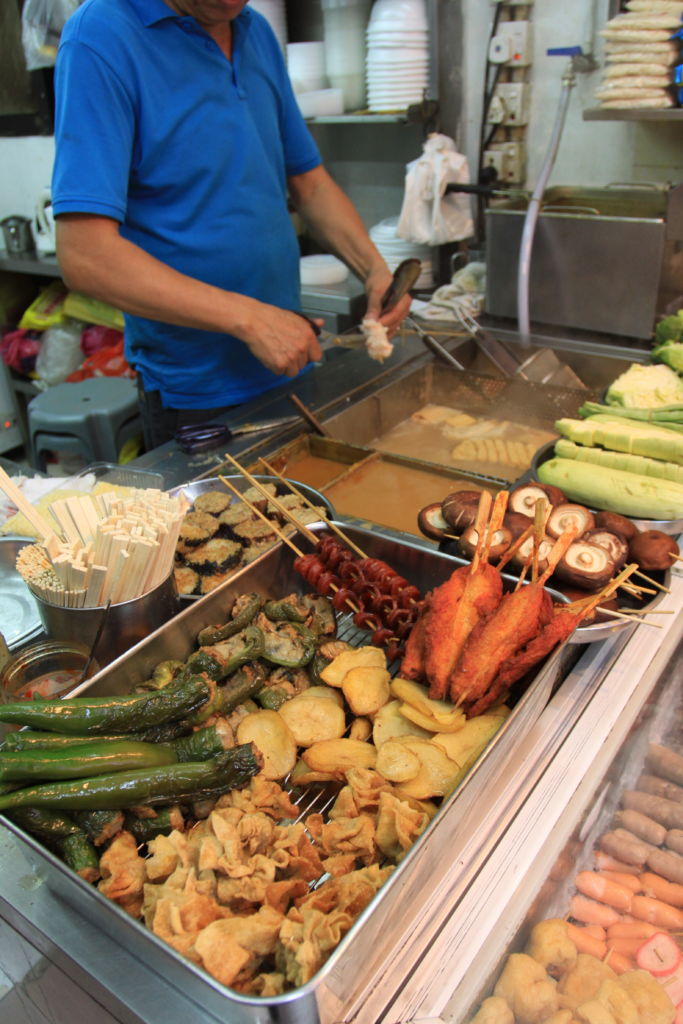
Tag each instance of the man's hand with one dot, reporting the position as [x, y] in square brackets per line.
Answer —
[376, 285]
[284, 342]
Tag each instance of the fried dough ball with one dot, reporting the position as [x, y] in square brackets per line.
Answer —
[561, 1017]
[582, 982]
[651, 1001]
[594, 1012]
[493, 1010]
[530, 993]
[619, 1003]
[551, 946]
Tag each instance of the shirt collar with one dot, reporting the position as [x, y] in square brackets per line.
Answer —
[152, 11]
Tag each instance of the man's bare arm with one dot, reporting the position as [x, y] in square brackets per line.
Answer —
[95, 259]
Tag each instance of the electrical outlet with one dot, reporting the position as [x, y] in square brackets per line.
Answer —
[512, 98]
[512, 44]
[508, 159]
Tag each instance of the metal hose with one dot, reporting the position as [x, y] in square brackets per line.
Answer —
[533, 210]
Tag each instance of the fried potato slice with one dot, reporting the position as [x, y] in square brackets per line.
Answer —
[435, 715]
[366, 689]
[464, 747]
[302, 775]
[313, 718]
[340, 755]
[367, 657]
[361, 729]
[397, 762]
[314, 692]
[271, 734]
[389, 723]
[436, 770]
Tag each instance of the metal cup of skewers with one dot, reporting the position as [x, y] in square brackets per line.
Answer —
[126, 623]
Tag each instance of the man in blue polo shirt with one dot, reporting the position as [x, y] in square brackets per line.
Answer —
[178, 142]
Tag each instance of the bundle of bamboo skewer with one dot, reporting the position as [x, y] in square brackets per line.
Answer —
[105, 548]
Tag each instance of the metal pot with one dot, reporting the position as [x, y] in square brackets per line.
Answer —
[18, 235]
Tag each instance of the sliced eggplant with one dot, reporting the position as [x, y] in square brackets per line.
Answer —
[431, 522]
[586, 566]
[570, 517]
[612, 542]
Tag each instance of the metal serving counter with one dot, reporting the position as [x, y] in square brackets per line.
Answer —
[55, 963]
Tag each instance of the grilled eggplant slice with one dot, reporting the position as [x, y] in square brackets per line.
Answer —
[213, 502]
[217, 555]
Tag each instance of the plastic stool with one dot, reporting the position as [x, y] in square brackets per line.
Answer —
[93, 418]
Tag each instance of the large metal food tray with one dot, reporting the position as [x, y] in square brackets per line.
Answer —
[463, 821]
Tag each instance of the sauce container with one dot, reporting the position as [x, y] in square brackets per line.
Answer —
[47, 668]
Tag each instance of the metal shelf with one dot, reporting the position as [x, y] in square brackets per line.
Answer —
[609, 114]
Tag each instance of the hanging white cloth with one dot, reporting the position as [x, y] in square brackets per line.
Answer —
[429, 214]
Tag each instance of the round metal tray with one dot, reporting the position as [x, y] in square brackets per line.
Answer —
[194, 488]
[670, 526]
[19, 613]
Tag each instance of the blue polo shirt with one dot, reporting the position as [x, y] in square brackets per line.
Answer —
[190, 152]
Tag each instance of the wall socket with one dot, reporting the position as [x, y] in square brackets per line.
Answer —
[508, 159]
[512, 44]
[509, 104]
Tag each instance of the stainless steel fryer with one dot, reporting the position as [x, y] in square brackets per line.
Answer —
[467, 824]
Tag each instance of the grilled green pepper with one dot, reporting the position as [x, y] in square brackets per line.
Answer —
[164, 821]
[244, 611]
[288, 609]
[322, 619]
[272, 697]
[240, 686]
[97, 758]
[64, 835]
[99, 826]
[289, 644]
[219, 660]
[117, 714]
[325, 653]
[230, 769]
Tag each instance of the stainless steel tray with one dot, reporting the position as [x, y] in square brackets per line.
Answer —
[194, 488]
[463, 823]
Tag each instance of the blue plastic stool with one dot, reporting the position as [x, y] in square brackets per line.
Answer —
[93, 418]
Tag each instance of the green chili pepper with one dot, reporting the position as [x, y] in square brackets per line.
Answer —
[244, 611]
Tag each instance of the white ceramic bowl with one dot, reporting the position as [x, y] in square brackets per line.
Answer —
[322, 269]
[321, 102]
[393, 14]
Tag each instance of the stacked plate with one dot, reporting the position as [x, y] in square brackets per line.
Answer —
[275, 13]
[397, 61]
[395, 250]
[306, 66]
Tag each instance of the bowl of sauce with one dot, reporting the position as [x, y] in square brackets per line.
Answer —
[46, 669]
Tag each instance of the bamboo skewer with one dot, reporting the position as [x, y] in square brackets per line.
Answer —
[659, 586]
[330, 524]
[37, 521]
[284, 512]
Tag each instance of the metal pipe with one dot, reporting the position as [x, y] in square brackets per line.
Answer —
[529, 230]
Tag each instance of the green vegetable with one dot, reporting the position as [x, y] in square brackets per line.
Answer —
[668, 331]
[64, 835]
[244, 611]
[32, 739]
[230, 769]
[97, 758]
[326, 653]
[165, 821]
[565, 449]
[93, 715]
[645, 387]
[99, 826]
[219, 660]
[289, 644]
[623, 435]
[669, 416]
[272, 697]
[289, 609]
[613, 489]
[242, 684]
[323, 621]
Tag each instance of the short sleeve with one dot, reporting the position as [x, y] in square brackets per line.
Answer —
[94, 135]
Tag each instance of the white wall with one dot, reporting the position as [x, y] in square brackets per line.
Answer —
[590, 153]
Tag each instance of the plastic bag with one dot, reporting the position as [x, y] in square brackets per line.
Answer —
[106, 362]
[429, 214]
[42, 22]
[60, 352]
[19, 350]
[96, 337]
[46, 310]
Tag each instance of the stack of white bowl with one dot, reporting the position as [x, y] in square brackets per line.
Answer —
[306, 66]
[394, 250]
[275, 13]
[397, 61]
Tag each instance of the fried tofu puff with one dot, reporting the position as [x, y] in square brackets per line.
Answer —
[530, 993]
[617, 1001]
[561, 1017]
[493, 1010]
[652, 1002]
[551, 946]
[582, 982]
